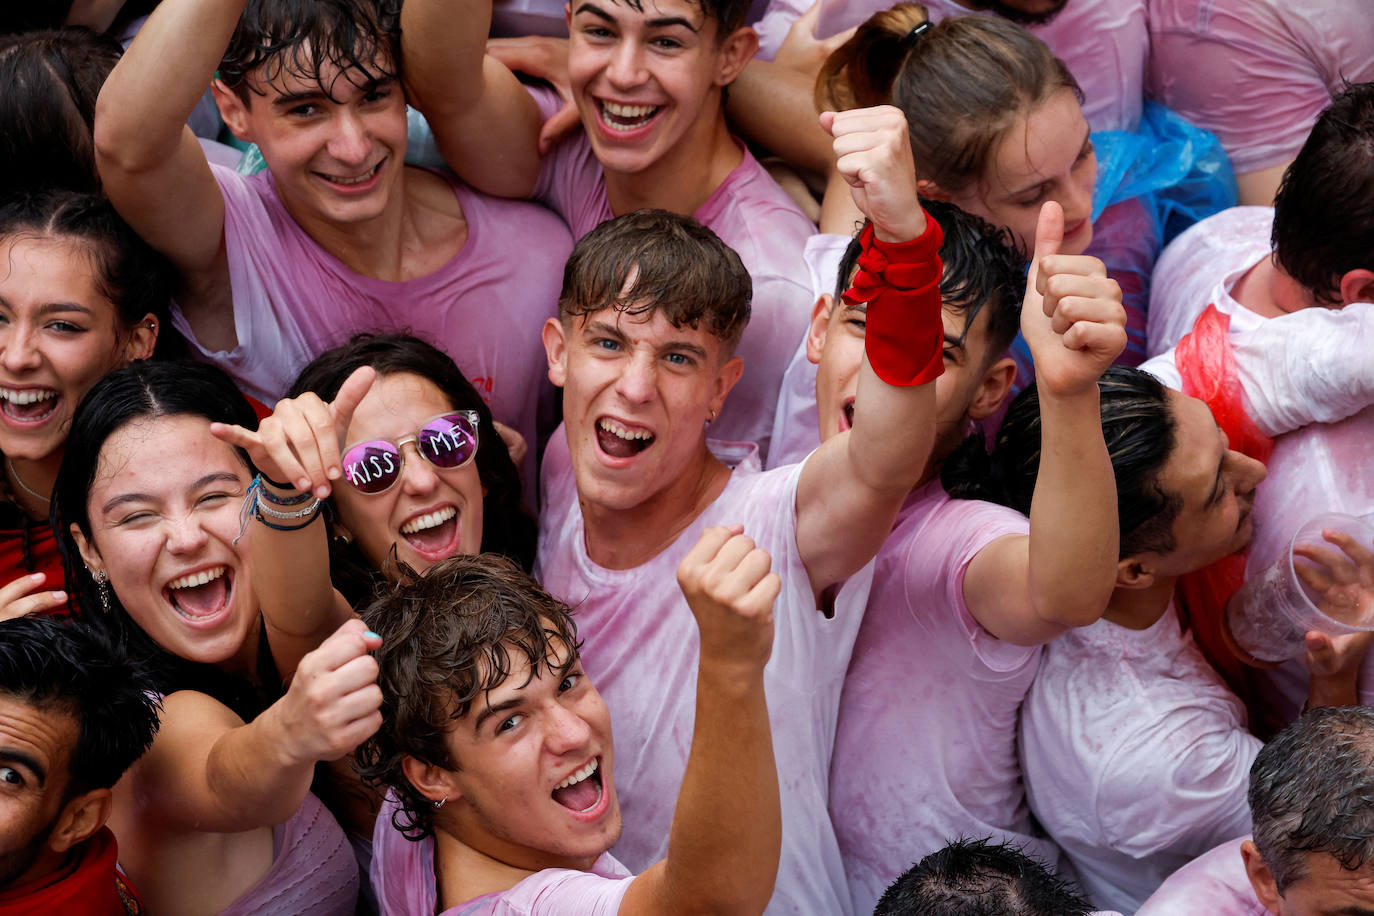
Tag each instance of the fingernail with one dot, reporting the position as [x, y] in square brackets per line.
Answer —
[334, 473]
[371, 635]
[302, 483]
[59, 596]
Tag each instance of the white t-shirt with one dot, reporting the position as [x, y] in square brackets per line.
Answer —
[1105, 44]
[926, 747]
[402, 875]
[1136, 755]
[1214, 884]
[751, 214]
[640, 649]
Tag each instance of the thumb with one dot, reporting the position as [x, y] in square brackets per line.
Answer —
[827, 119]
[351, 394]
[1049, 229]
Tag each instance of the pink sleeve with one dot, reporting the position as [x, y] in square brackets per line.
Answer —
[564, 892]
[570, 181]
[773, 26]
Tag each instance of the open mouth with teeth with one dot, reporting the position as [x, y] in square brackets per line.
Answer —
[349, 182]
[622, 117]
[620, 441]
[28, 405]
[433, 535]
[581, 792]
[200, 596]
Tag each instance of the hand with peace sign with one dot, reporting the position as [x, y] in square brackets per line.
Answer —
[300, 443]
[1072, 316]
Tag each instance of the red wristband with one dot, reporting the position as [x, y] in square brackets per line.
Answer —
[900, 283]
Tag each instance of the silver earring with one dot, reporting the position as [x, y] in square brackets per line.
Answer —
[440, 803]
[102, 582]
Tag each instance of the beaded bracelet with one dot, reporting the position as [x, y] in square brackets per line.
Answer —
[255, 505]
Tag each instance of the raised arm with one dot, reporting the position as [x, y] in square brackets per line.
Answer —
[209, 772]
[853, 485]
[726, 837]
[150, 164]
[485, 124]
[1029, 590]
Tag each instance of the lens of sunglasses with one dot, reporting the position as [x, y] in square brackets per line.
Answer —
[448, 441]
[372, 466]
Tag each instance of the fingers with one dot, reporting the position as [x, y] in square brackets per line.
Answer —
[350, 641]
[351, 394]
[1049, 229]
[563, 122]
[245, 439]
[23, 597]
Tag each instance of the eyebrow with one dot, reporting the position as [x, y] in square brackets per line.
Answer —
[24, 760]
[50, 308]
[497, 709]
[124, 498]
[660, 23]
[1087, 142]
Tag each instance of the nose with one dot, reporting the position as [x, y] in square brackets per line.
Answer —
[637, 380]
[626, 68]
[566, 731]
[418, 476]
[1250, 472]
[185, 535]
[1077, 201]
[349, 143]
[18, 350]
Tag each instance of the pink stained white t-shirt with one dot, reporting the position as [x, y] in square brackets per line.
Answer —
[485, 307]
[1213, 884]
[1105, 44]
[402, 875]
[925, 752]
[751, 214]
[640, 649]
[1136, 756]
[1200, 268]
[1257, 73]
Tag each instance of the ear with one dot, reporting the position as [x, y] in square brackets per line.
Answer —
[233, 110]
[1136, 572]
[433, 782]
[993, 389]
[930, 190]
[820, 327]
[1357, 286]
[79, 819]
[556, 351]
[726, 376]
[89, 555]
[142, 338]
[1261, 878]
[733, 54]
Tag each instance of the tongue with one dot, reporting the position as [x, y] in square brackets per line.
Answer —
[432, 539]
[200, 600]
[617, 447]
[29, 411]
[579, 796]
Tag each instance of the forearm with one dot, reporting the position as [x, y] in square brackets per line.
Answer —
[726, 836]
[251, 775]
[1074, 530]
[773, 106]
[142, 109]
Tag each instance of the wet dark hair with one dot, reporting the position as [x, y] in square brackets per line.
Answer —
[982, 269]
[1312, 792]
[1015, 13]
[680, 268]
[1324, 209]
[127, 271]
[962, 85]
[980, 878]
[52, 14]
[448, 637]
[728, 14]
[141, 392]
[1139, 428]
[361, 38]
[47, 109]
[48, 663]
[507, 528]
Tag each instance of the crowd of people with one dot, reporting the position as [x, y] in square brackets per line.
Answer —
[660, 457]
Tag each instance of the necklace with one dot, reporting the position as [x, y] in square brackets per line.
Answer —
[23, 486]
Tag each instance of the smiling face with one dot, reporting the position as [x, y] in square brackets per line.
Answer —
[430, 513]
[35, 746]
[164, 511]
[532, 782]
[58, 336]
[1216, 486]
[1046, 155]
[335, 145]
[637, 394]
[648, 82]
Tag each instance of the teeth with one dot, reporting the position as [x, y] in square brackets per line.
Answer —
[621, 432]
[359, 180]
[628, 111]
[580, 775]
[194, 579]
[27, 396]
[432, 520]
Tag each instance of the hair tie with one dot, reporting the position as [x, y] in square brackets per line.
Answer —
[909, 41]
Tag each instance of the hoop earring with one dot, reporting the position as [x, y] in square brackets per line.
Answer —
[102, 583]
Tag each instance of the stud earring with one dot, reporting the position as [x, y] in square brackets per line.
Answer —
[440, 803]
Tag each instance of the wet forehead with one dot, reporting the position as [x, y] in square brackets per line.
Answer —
[1042, 145]
[1192, 468]
[44, 734]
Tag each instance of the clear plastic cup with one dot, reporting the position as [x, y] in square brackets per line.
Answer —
[1270, 616]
